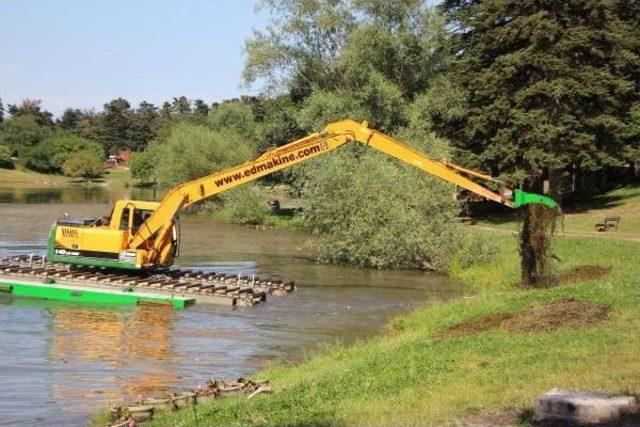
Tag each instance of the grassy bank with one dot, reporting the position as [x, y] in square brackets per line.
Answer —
[580, 220]
[22, 178]
[25, 178]
[428, 368]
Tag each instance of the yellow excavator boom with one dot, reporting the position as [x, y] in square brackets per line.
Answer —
[334, 136]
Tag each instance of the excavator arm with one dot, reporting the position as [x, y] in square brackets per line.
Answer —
[336, 134]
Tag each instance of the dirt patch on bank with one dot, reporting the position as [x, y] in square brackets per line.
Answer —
[566, 313]
[582, 273]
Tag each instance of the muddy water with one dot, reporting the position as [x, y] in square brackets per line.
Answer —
[61, 362]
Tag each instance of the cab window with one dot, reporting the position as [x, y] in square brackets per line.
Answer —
[124, 219]
[139, 217]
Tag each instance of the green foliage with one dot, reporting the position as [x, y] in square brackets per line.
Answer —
[548, 86]
[32, 108]
[192, 151]
[5, 157]
[113, 125]
[84, 163]
[55, 150]
[143, 166]
[234, 116]
[323, 107]
[243, 205]
[22, 133]
[365, 209]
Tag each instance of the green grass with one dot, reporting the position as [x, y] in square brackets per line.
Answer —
[623, 202]
[23, 178]
[408, 375]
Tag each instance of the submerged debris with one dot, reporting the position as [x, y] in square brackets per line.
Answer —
[145, 409]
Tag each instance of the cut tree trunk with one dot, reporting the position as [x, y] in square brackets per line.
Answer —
[535, 239]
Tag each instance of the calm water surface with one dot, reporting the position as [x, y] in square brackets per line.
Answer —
[61, 362]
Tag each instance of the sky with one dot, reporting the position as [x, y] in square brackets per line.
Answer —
[83, 53]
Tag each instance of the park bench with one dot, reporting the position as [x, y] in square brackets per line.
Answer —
[610, 222]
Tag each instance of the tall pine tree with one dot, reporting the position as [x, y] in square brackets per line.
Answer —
[550, 88]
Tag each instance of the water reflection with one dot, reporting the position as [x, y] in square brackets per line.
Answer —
[73, 194]
[137, 339]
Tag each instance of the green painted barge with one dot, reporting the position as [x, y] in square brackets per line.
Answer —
[83, 294]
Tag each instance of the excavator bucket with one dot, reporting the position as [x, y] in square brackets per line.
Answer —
[521, 198]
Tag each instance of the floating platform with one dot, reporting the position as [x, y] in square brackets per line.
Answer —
[166, 285]
[83, 294]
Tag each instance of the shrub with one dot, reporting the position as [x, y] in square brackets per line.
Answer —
[50, 155]
[192, 151]
[86, 164]
[143, 166]
[372, 211]
[5, 157]
[243, 205]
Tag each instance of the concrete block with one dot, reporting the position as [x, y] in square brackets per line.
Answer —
[579, 407]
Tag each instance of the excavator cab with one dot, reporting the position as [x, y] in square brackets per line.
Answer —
[103, 242]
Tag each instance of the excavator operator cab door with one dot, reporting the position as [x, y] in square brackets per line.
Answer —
[131, 218]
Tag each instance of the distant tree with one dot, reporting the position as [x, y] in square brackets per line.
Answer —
[22, 132]
[50, 155]
[5, 157]
[70, 119]
[32, 108]
[548, 88]
[200, 108]
[83, 164]
[1, 111]
[143, 166]
[181, 106]
[114, 125]
[143, 126]
[165, 112]
[235, 116]
[278, 125]
[192, 151]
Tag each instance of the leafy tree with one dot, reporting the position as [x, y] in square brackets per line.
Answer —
[51, 154]
[298, 50]
[32, 108]
[21, 133]
[192, 151]
[380, 213]
[5, 157]
[200, 108]
[143, 166]
[235, 116]
[548, 89]
[1, 111]
[143, 126]
[70, 119]
[181, 106]
[243, 205]
[114, 125]
[278, 125]
[83, 164]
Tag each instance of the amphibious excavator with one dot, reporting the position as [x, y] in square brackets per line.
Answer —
[142, 235]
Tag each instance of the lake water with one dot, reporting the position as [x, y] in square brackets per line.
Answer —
[61, 362]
